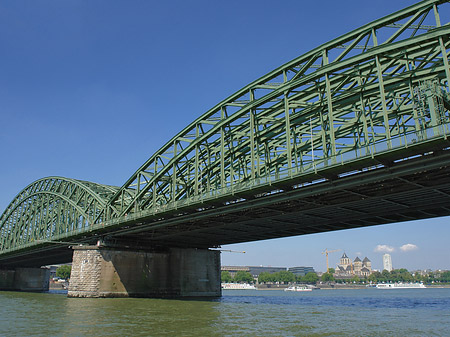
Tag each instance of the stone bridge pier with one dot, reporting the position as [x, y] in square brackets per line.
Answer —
[122, 272]
[25, 279]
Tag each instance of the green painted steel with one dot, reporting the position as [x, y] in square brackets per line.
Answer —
[52, 208]
[383, 87]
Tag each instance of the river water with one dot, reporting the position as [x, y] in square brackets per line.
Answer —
[367, 312]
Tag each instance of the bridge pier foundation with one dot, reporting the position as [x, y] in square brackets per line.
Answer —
[25, 279]
[112, 272]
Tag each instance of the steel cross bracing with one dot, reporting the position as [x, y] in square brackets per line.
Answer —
[51, 209]
[380, 91]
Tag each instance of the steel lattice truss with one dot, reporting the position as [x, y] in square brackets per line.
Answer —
[50, 208]
[381, 87]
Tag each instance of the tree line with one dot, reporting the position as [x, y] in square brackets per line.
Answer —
[393, 276]
[286, 277]
[283, 277]
[403, 275]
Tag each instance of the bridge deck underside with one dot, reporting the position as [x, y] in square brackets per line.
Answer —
[367, 205]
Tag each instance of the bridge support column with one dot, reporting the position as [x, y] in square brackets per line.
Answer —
[25, 279]
[111, 272]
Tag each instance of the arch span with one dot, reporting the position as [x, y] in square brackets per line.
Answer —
[52, 208]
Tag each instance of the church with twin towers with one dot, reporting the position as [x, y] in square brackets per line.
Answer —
[348, 268]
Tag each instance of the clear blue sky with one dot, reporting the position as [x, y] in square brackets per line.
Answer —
[91, 89]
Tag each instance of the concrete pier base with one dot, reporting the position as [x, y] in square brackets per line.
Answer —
[25, 279]
[111, 272]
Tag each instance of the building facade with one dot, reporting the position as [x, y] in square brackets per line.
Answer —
[301, 271]
[387, 262]
[348, 268]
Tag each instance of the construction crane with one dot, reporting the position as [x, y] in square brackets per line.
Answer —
[326, 252]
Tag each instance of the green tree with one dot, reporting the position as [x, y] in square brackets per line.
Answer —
[225, 277]
[265, 277]
[373, 277]
[331, 271]
[275, 277]
[285, 276]
[400, 275]
[445, 276]
[385, 275]
[355, 279]
[63, 271]
[243, 276]
[310, 278]
[418, 277]
[327, 277]
[405, 276]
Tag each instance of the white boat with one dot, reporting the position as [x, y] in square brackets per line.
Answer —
[400, 286]
[238, 286]
[298, 288]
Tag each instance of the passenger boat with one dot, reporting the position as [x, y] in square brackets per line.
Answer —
[238, 286]
[298, 288]
[400, 286]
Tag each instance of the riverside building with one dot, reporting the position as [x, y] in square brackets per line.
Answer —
[348, 268]
[301, 271]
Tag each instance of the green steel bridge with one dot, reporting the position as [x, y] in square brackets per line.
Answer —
[353, 133]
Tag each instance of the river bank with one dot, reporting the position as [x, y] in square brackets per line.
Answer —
[336, 286]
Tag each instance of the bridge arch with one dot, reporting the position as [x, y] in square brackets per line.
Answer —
[50, 209]
[382, 86]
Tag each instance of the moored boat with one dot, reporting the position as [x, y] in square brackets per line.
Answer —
[298, 288]
[238, 286]
[400, 285]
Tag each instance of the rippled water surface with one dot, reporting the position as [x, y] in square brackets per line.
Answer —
[368, 312]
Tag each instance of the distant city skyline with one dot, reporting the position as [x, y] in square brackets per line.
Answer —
[373, 242]
[89, 90]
